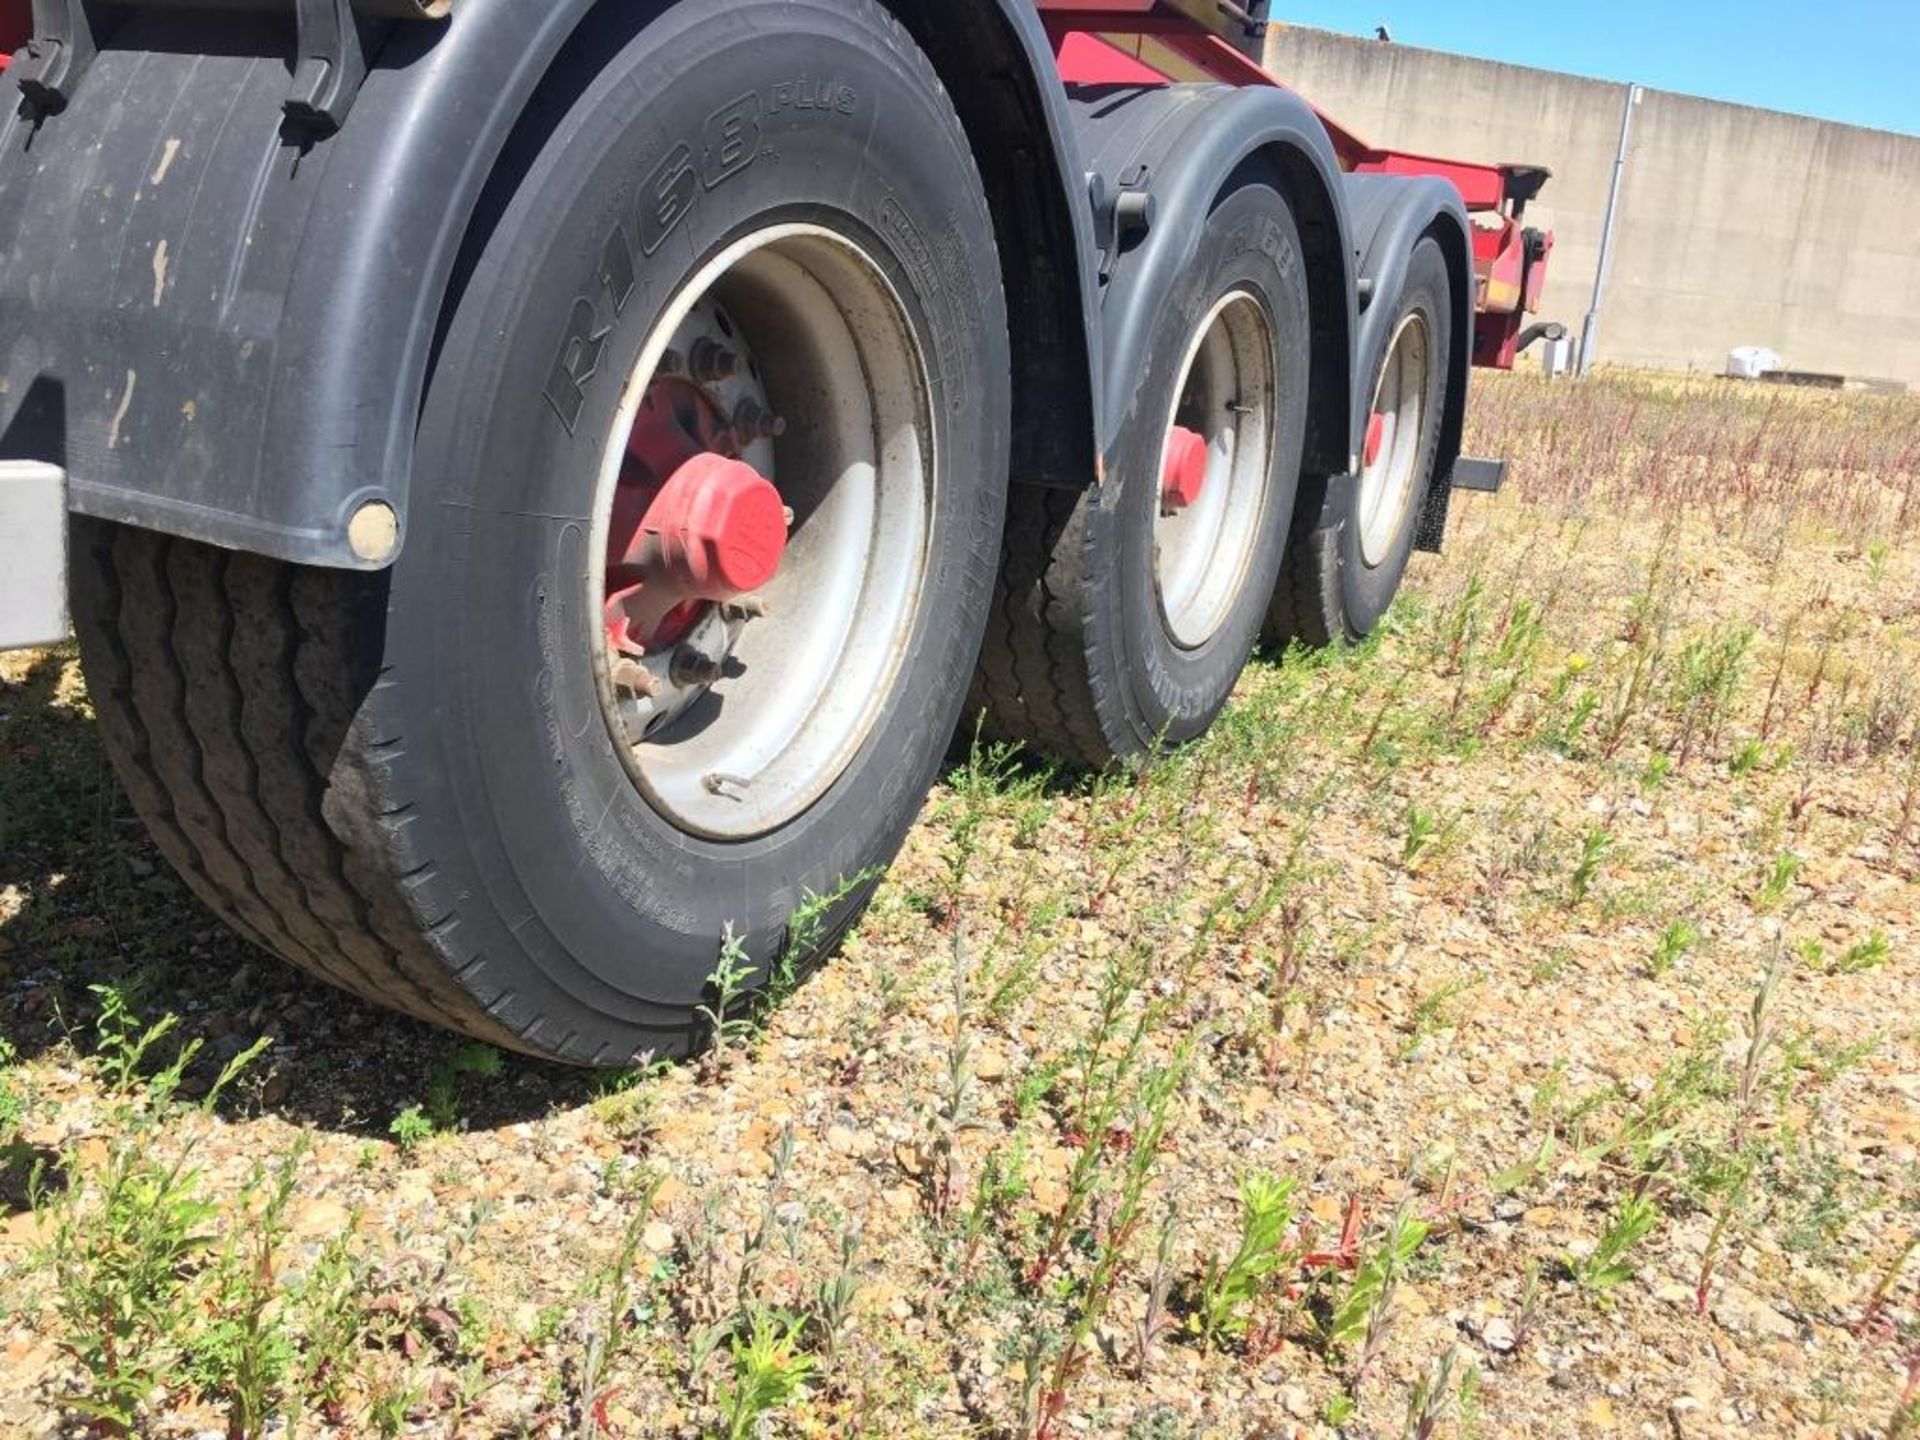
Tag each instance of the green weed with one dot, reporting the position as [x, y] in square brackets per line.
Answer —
[1868, 954]
[1595, 846]
[1365, 1313]
[1607, 1265]
[1676, 942]
[243, 1354]
[1229, 1290]
[1777, 883]
[1432, 1013]
[770, 1370]
[1432, 1398]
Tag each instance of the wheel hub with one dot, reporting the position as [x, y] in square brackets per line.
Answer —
[1390, 469]
[1376, 437]
[1186, 469]
[759, 584]
[695, 528]
[1215, 470]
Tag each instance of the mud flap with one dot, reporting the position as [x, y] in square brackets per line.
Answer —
[1469, 473]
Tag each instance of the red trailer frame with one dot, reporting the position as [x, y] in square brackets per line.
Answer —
[1158, 42]
[16, 24]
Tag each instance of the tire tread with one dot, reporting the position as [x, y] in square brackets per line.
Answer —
[223, 687]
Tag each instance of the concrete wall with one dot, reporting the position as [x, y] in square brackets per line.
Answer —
[1737, 226]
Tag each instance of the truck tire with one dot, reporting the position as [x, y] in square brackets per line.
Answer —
[706, 505]
[1126, 613]
[1352, 538]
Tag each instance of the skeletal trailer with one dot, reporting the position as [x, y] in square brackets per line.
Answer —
[540, 482]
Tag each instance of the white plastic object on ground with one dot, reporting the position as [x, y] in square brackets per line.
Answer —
[1750, 362]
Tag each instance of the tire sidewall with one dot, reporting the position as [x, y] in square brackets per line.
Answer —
[1157, 691]
[1367, 591]
[491, 629]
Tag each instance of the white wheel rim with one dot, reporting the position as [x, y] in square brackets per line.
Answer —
[1400, 403]
[802, 686]
[1202, 552]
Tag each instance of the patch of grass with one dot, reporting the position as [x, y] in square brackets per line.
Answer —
[1576, 749]
[131, 1235]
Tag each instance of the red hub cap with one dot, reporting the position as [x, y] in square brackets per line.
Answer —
[693, 524]
[1376, 436]
[1185, 472]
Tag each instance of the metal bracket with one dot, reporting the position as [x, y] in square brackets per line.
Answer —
[329, 68]
[57, 56]
[1472, 473]
[1252, 18]
[33, 555]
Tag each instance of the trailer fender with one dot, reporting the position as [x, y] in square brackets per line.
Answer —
[222, 330]
[1390, 214]
[1160, 157]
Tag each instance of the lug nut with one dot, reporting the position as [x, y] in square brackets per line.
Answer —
[712, 361]
[747, 607]
[691, 667]
[673, 363]
[752, 421]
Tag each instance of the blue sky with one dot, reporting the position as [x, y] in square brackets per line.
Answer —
[1851, 60]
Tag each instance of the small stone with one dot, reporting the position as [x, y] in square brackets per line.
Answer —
[1497, 1335]
[1049, 1196]
[320, 1217]
[1739, 1309]
[657, 1237]
[843, 1140]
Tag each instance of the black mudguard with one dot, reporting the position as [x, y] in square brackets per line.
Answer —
[222, 329]
[1179, 145]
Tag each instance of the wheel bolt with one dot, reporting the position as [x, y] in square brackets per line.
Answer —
[752, 421]
[673, 363]
[691, 667]
[713, 361]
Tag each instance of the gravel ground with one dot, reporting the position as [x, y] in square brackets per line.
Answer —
[1545, 971]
